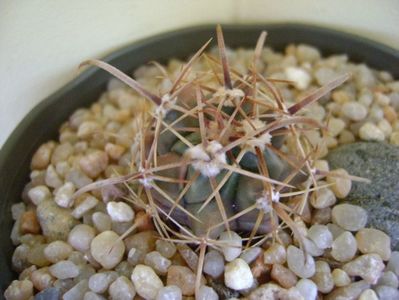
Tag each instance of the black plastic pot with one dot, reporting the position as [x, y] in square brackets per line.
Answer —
[42, 123]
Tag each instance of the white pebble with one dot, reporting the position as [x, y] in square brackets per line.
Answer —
[146, 282]
[385, 127]
[167, 249]
[341, 183]
[52, 179]
[300, 76]
[370, 132]
[354, 111]
[81, 236]
[370, 240]
[63, 196]
[321, 236]
[76, 292]
[156, 261]
[232, 245]
[170, 292]
[323, 198]
[349, 217]
[206, 293]
[368, 266]
[238, 275]
[57, 251]
[307, 288]
[93, 296]
[101, 221]
[344, 247]
[368, 294]
[87, 204]
[393, 263]
[122, 289]
[382, 99]
[107, 249]
[387, 292]
[250, 254]
[39, 193]
[389, 278]
[213, 264]
[100, 282]
[296, 262]
[64, 269]
[120, 211]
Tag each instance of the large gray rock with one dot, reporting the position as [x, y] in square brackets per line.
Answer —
[378, 162]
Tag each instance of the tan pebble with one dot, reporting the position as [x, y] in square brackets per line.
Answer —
[88, 128]
[335, 126]
[25, 274]
[144, 221]
[114, 151]
[61, 153]
[331, 142]
[19, 290]
[390, 114]
[258, 267]
[36, 255]
[340, 277]
[394, 138]
[93, 164]
[340, 96]
[42, 156]
[346, 137]
[351, 291]
[29, 223]
[42, 279]
[143, 241]
[323, 277]
[321, 216]
[283, 276]
[342, 184]
[182, 277]
[275, 254]
[370, 240]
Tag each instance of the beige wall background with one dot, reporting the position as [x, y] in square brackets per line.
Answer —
[43, 41]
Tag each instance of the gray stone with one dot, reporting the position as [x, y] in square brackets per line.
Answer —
[56, 222]
[223, 291]
[49, 294]
[378, 162]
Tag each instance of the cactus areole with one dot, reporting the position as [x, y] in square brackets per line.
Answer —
[222, 151]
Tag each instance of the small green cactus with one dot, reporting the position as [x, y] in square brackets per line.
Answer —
[217, 159]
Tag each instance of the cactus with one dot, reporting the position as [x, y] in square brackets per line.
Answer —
[221, 158]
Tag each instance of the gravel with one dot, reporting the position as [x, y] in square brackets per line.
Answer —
[73, 246]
